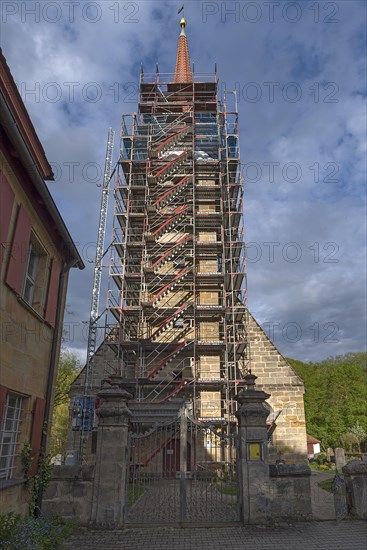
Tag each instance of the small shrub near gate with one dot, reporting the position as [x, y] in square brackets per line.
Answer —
[18, 533]
[321, 459]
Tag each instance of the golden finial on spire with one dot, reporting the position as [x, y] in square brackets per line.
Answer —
[182, 20]
[182, 69]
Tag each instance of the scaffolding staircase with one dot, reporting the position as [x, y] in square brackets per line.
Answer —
[171, 285]
[169, 255]
[170, 320]
[170, 142]
[170, 168]
[169, 358]
[172, 193]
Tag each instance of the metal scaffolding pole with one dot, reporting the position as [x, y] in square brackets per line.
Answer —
[93, 320]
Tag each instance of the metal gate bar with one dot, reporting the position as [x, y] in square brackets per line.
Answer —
[182, 471]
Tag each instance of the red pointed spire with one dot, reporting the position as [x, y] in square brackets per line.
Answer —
[182, 69]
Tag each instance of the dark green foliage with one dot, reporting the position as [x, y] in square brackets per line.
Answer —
[321, 458]
[17, 533]
[336, 396]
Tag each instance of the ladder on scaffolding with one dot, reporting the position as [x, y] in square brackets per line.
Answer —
[93, 320]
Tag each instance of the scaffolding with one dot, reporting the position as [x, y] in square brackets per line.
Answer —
[176, 305]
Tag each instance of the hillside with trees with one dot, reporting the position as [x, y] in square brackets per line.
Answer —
[336, 400]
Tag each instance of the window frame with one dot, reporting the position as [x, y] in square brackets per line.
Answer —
[30, 278]
[38, 279]
[13, 433]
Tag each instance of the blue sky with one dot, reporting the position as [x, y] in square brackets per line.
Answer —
[299, 69]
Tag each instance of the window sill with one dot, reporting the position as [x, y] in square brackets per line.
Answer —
[31, 310]
[6, 483]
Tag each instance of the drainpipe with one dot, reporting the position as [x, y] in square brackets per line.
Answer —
[51, 376]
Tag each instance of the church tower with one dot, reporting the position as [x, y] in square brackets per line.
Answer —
[178, 330]
[179, 264]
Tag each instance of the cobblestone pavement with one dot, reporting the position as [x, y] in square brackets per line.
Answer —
[330, 535]
[160, 502]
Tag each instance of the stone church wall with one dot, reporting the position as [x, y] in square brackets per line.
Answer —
[276, 376]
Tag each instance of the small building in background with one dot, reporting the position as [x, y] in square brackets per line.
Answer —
[313, 446]
[36, 254]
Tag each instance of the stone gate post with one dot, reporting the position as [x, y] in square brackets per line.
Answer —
[111, 456]
[253, 450]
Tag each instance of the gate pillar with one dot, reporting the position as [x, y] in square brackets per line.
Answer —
[253, 452]
[111, 456]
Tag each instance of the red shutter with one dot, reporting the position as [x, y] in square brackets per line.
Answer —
[19, 249]
[53, 289]
[6, 207]
[3, 392]
[38, 414]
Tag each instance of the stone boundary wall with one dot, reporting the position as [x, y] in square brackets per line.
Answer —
[290, 492]
[284, 497]
[355, 475]
[69, 493]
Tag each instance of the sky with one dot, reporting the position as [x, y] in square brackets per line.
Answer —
[299, 71]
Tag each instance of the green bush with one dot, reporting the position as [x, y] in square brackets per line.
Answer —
[7, 525]
[17, 533]
[321, 458]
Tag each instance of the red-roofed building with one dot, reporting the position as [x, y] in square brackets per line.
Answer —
[313, 446]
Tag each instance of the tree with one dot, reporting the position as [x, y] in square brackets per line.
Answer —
[68, 370]
[349, 442]
[335, 397]
[359, 433]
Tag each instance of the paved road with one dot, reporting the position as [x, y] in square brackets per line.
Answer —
[328, 535]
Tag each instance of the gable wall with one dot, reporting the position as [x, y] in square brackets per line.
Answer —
[276, 376]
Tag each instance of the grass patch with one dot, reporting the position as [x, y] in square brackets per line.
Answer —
[228, 489]
[324, 468]
[135, 492]
[326, 485]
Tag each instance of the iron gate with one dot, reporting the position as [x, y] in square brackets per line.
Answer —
[182, 471]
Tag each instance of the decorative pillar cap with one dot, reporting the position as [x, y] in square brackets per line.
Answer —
[118, 387]
[250, 380]
[251, 394]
